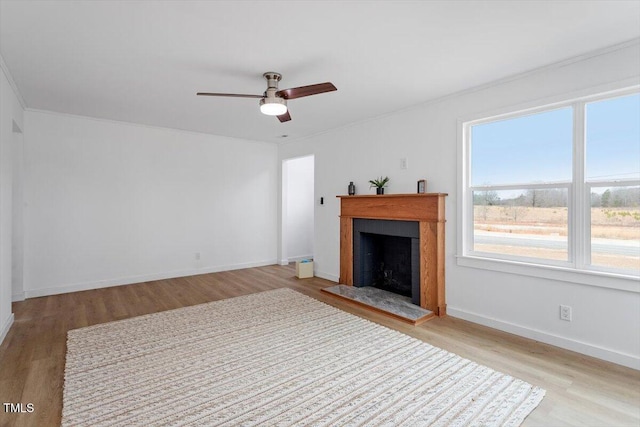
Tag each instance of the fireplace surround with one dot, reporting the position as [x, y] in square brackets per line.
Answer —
[426, 212]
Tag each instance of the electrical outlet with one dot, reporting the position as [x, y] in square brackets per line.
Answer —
[565, 313]
[404, 163]
[197, 256]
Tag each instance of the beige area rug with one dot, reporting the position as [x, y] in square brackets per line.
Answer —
[276, 358]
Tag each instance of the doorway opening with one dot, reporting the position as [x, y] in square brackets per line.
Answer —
[297, 240]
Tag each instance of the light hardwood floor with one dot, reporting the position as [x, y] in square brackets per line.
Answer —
[581, 390]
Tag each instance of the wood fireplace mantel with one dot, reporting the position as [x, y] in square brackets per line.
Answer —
[428, 210]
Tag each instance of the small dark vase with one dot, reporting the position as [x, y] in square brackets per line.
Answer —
[380, 190]
[352, 189]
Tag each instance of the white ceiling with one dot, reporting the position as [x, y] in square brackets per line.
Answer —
[143, 61]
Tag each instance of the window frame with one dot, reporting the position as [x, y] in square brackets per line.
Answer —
[577, 269]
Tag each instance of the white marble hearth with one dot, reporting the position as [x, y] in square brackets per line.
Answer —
[387, 302]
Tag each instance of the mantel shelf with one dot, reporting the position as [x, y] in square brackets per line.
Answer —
[417, 207]
[392, 195]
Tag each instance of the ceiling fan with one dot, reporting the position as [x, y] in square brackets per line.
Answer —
[274, 102]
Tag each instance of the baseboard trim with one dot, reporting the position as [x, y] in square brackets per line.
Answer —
[326, 276]
[609, 355]
[17, 297]
[5, 327]
[34, 293]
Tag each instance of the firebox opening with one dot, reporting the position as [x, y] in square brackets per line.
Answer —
[387, 256]
[387, 262]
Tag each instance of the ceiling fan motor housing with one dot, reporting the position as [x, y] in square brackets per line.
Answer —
[272, 79]
[271, 104]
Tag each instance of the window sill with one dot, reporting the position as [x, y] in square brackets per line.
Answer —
[563, 274]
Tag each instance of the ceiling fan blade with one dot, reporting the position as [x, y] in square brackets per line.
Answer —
[232, 95]
[299, 92]
[284, 117]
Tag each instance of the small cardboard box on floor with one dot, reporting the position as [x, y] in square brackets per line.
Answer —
[304, 269]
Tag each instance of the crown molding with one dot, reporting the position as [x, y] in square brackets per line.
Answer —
[635, 42]
[12, 82]
[144, 126]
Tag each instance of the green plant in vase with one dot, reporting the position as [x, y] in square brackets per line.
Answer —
[379, 183]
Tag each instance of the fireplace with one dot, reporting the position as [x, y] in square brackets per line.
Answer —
[386, 255]
[395, 220]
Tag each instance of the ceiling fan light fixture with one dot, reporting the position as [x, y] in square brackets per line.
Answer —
[273, 106]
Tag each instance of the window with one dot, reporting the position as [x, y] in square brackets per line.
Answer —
[556, 186]
[612, 175]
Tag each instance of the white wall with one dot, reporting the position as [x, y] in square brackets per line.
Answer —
[17, 203]
[110, 203]
[605, 321]
[11, 116]
[299, 183]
